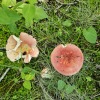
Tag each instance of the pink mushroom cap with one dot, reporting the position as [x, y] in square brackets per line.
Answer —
[26, 38]
[67, 60]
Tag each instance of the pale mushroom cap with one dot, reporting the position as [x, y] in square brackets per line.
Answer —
[13, 55]
[11, 43]
[67, 60]
[28, 39]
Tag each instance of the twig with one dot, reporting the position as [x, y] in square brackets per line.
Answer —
[59, 7]
[2, 49]
[68, 4]
[4, 74]
[95, 96]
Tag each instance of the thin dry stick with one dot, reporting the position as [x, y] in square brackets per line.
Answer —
[67, 4]
[47, 96]
[95, 96]
[2, 48]
[72, 3]
[4, 74]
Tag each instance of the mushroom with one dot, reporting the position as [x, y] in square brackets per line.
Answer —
[26, 48]
[45, 73]
[67, 60]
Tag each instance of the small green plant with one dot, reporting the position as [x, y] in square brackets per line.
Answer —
[88, 78]
[70, 88]
[9, 3]
[67, 23]
[32, 12]
[13, 11]
[9, 17]
[62, 86]
[1, 54]
[27, 74]
[90, 34]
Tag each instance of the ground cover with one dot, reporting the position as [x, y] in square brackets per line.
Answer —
[62, 22]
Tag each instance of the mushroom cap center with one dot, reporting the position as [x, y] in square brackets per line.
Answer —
[68, 58]
[24, 49]
[65, 58]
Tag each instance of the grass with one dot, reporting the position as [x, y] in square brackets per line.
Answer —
[49, 33]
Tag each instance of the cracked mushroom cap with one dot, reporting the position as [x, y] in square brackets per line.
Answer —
[12, 44]
[67, 60]
[13, 55]
[30, 46]
[23, 47]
